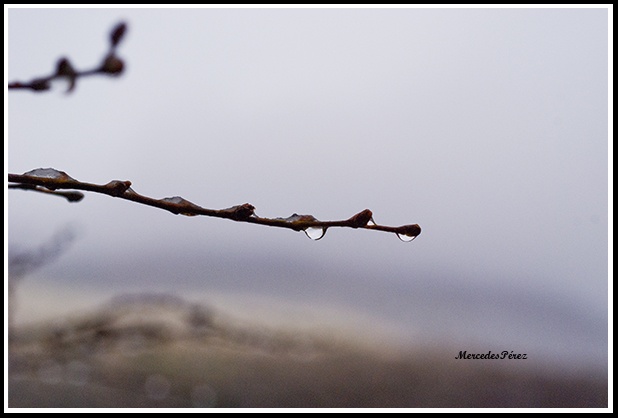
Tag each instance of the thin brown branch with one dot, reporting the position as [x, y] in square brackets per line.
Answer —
[110, 65]
[71, 196]
[52, 180]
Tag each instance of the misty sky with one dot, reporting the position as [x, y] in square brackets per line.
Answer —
[487, 127]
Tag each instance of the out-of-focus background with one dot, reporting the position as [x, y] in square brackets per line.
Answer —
[488, 127]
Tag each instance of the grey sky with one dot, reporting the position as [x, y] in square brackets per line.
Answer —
[488, 127]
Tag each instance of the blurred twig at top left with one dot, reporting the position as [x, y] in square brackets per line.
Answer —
[110, 65]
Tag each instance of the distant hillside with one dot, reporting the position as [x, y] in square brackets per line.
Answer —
[161, 351]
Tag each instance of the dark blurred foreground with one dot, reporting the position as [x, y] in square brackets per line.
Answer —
[160, 351]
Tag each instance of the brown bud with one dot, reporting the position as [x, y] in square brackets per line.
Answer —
[112, 65]
[64, 68]
[241, 212]
[118, 187]
[361, 219]
[118, 33]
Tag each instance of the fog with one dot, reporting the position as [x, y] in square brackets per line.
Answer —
[487, 127]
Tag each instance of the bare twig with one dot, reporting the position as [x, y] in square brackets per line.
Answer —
[70, 196]
[48, 180]
[52, 180]
[111, 65]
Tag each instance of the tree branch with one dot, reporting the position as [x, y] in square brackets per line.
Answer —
[70, 196]
[51, 180]
[111, 65]
[48, 180]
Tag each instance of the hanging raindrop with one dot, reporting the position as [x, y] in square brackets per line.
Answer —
[315, 233]
[406, 238]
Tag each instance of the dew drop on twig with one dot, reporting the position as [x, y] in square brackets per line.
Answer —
[315, 233]
[295, 217]
[406, 238]
[176, 199]
[48, 173]
[181, 202]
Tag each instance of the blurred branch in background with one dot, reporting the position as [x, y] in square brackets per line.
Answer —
[110, 65]
[21, 263]
[24, 262]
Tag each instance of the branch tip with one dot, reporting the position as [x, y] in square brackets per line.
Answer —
[409, 230]
[51, 179]
[117, 34]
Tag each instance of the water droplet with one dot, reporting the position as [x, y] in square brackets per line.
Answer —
[406, 238]
[48, 173]
[175, 199]
[295, 217]
[315, 233]
[157, 387]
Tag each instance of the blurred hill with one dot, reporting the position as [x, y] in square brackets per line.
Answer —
[157, 350]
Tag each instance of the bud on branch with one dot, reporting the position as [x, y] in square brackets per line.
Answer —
[110, 65]
[48, 180]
